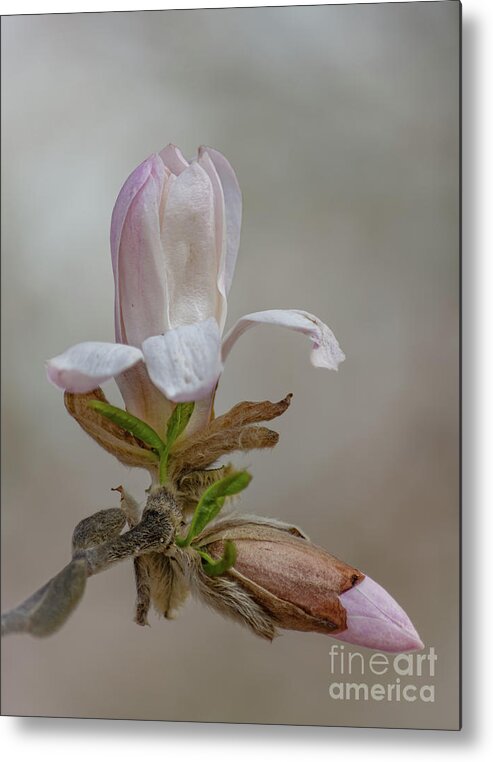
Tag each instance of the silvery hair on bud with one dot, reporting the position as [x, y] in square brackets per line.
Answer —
[224, 595]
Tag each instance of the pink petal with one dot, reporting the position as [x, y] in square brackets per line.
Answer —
[85, 366]
[138, 267]
[189, 247]
[326, 352]
[184, 363]
[127, 194]
[173, 159]
[375, 620]
[232, 201]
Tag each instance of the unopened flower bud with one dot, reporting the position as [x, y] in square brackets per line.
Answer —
[300, 586]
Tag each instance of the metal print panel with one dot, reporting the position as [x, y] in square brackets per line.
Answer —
[231, 365]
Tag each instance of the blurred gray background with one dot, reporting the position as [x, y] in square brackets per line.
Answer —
[342, 125]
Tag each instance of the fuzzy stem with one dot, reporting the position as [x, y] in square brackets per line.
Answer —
[47, 609]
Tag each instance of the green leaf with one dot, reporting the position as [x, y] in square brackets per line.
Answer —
[212, 501]
[230, 484]
[178, 422]
[129, 423]
[213, 567]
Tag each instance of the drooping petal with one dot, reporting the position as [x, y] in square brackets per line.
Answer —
[326, 352]
[185, 363]
[173, 159]
[232, 201]
[85, 366]
[189, 249]
[140, 272]
[220, 234]
[375, 620]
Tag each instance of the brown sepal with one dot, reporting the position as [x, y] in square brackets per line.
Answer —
[227, 597]
[289, 616]
[296, 582]
[235, 430]
[204, 451]
[168, 586]
[124, 446]
[247, 413]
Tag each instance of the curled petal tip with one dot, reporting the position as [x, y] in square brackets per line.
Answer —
[376, 621]
[326, 352]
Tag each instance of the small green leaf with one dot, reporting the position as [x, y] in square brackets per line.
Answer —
[129, 423]
[207, 510]
[178, 422]
[212, 501]
[214, 568]
[230, 484]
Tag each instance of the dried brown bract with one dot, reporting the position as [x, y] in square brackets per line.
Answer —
[124, 446]
[233, 431]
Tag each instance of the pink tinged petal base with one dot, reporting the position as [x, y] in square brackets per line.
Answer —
[326, 352]
[375, 620]
[185, 363]
[202, 414]
[85, 366]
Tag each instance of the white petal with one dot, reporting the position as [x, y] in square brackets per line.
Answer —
[326, 352]
[232, 201]
[220, 234]
[173, 159]
[85, 366]
[189, 247]
[185, 362]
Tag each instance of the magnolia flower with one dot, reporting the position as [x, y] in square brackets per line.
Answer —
[175, 234]
[280, 579]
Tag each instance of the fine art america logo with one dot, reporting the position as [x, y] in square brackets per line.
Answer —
[403, 677]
